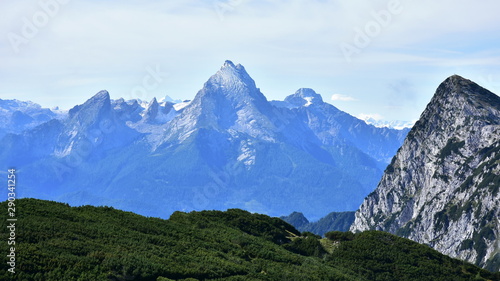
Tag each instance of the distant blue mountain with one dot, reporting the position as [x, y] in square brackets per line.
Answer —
[228, 147]
[17, 116]
[335, 221]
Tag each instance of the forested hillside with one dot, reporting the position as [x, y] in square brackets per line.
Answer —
[59, 242]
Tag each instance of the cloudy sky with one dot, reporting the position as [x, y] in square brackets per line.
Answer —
[382, 58]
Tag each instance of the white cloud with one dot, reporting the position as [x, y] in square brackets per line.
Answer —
[339, 97]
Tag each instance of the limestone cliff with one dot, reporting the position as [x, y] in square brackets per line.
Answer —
[442, 187]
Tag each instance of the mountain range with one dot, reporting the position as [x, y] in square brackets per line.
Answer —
[227, 148]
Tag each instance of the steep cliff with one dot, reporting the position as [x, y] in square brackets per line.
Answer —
[442, 187]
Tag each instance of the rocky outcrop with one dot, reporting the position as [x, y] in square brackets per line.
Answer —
[442, 187]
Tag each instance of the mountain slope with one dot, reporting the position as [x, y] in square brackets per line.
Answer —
[336, 128]
[442, 187]
[100, 243]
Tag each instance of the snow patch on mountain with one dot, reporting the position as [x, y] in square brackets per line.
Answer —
[378, 121]
[180, 106]
[167, 98]
[247, 155]
[309, 101]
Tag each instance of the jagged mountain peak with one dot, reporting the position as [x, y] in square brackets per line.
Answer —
[229, 100]
[231, 87]
[101, 95]
[151, 110]
[228, 63]
[237, 67]
[153, 105]
[233, 84]
[127, 110]
[304, 97]
[93, 108]
[231, 79]
[101, 98]
[153, 101]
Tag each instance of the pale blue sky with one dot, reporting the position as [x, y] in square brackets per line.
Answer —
[65, 52]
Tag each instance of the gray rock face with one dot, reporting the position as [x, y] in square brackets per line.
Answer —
[442, 187]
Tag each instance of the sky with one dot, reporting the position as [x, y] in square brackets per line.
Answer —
[379, 58]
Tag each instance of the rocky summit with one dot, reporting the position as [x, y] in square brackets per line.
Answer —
[442, 187]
